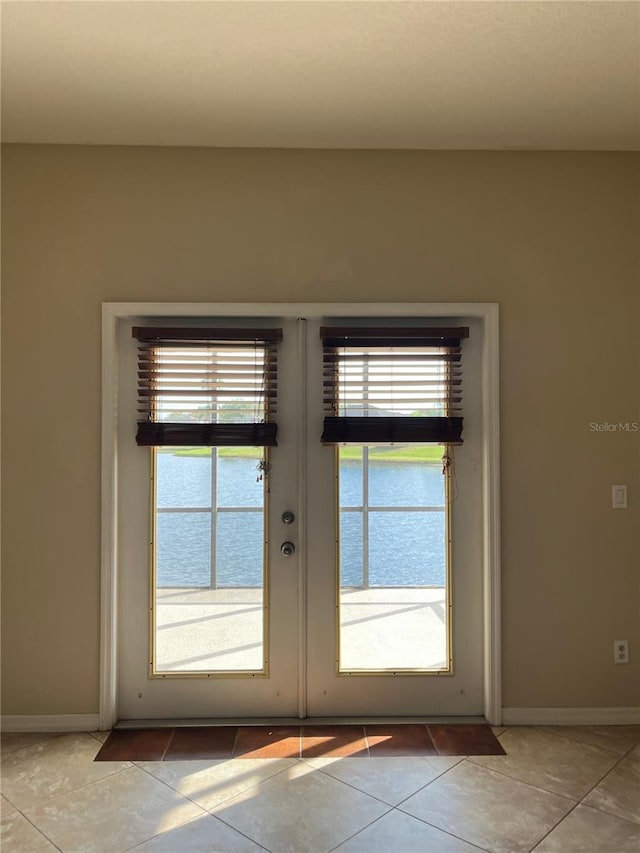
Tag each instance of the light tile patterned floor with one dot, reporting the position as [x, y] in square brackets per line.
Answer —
[558, 790]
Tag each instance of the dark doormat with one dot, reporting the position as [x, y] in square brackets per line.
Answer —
[348, 741]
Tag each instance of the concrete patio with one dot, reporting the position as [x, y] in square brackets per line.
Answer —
[382, 628]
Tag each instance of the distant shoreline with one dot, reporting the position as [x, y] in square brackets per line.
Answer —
[423, 454]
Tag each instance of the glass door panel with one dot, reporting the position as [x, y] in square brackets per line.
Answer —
[393, 570]
[209, 578]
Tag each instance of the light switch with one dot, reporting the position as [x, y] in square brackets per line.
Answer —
[619, 497]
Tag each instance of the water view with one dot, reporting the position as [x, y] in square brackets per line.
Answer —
[405, 522]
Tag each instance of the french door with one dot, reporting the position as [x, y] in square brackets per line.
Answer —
[298, 580]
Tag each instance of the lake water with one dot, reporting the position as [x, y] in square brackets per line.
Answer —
[406, 548]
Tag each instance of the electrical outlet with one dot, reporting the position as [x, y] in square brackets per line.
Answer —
[621, 651]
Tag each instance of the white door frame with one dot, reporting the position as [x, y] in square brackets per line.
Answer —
[486, 312]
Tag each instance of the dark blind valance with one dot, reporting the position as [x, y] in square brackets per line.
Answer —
[392, 385]
[204, 386]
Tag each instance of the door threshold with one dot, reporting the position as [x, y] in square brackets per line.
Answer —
[298, 721]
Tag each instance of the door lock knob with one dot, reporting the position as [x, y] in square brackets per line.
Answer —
[288, 517]
[288, 549]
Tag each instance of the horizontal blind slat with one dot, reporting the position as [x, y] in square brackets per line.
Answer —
[202, 435]
[405, 333]
[207, 386]
[168, 335]
[391, 385]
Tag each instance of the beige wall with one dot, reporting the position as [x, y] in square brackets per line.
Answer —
[552, 237]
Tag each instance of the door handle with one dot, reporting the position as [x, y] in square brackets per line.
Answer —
[287, 549]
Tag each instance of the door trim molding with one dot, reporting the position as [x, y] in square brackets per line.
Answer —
[487, 312]
[301, 438]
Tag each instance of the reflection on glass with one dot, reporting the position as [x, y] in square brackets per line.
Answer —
[410, 481]
[183, 549]
[393, 561]
[209, 559]
[406, 548]
[183, 480]
[351, 549]
[239, 549]
[239, 482]
[351, 476]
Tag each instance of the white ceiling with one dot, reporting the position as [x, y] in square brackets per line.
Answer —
[429, 74]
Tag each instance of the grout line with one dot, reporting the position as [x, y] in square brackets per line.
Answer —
[461, 838]
[94, 735]
[362, 737]
[517, 779]
[37, 828]
[445, 831]
[160, 834]
[373, 796]
[579, 743]
[431, 740]
[235, 741]
[174, 790]
[169, 741]
[362, 829]
[555, 826]
[629, 820]
[431, 781]
[235, 829]
[389, 806]
[78, 787]
[546, 730]
[5, 753]
[244, 790]
[230, 797]
[11, 803]
[349, 785]
[602, 778]
[191, 820]
[571, 811]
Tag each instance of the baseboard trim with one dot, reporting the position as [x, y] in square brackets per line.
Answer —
[571, 716]
[49, 722]
[510, 717]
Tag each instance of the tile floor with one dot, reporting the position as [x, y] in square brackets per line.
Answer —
[557, 790]
[355, 741]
